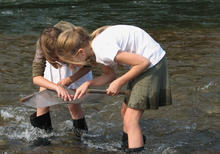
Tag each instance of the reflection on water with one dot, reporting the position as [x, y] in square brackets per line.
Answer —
[188, 31]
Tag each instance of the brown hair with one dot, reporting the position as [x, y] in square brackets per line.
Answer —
[63, 25]
[69, 42]
[48, 44]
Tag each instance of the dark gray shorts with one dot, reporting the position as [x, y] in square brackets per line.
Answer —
[150, 89]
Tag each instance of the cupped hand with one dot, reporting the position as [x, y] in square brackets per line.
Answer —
[113, 88]
[63, 93]
[81, 91]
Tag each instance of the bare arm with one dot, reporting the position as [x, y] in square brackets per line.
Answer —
[81, 72]
[138, 65]
[61, 92]
[42, 82]
[107, 76]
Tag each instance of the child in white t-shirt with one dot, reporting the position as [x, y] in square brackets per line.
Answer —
[49, 73]
[147, 77]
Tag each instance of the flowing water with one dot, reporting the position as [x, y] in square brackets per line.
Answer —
[189, 30]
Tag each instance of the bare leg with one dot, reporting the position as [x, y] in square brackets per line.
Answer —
[41, 118]
[41, 111]
[123, 110]
[132, 126]
[79, 122]
[75, 111]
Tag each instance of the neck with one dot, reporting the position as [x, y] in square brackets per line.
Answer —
[90, 51]
[91, 57]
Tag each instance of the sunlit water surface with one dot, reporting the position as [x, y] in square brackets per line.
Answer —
[187, 30]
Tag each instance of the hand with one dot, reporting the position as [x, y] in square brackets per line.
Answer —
[81, 91]
[65, 82]
[63, 93]
[113, 88]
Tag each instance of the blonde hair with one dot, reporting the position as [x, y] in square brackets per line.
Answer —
[48, 44]
[69, 42]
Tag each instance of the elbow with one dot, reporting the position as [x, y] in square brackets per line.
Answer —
[146, 63]
[35, 79]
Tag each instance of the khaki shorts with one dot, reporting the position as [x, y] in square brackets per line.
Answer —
[150, 89]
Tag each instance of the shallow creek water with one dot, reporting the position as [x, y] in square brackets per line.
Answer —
[188, 31]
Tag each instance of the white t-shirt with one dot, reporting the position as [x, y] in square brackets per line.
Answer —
[125, 38]
[55, 75]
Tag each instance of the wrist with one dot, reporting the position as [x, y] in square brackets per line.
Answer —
[52, 86]
[58, 86]
[67, 81]
[70, 78]
[88, 83]
[120, 82]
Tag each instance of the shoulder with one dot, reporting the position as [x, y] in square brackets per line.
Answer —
[124, 28]
[39, 57]
[121, 32]
[38, 49]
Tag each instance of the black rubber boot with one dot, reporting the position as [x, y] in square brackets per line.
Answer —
[42, 121]
[124, 140]
[135, 150]
[79, 126]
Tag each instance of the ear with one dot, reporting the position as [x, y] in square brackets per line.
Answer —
[81, 54]
[81, 51]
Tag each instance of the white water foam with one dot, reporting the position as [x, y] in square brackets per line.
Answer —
[7, 12]
[6, 115]
[18, 125]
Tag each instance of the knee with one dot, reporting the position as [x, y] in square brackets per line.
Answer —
[122, 112]
[123, 109]
[75, 111]
[41, 111]
[130, 123]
